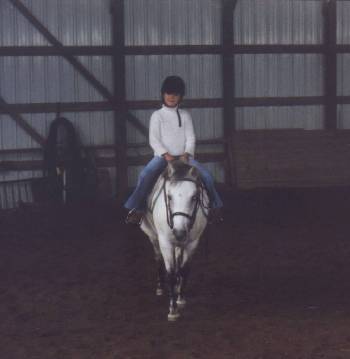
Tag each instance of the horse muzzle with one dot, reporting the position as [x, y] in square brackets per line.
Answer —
[180, 234]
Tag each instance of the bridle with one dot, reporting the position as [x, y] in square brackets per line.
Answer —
[198, 204]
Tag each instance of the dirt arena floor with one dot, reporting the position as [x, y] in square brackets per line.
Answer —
[272, 282]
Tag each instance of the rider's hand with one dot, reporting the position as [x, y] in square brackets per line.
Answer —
[185, 157]
[168, 157]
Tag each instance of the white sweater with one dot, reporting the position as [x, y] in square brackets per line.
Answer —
[165, 134]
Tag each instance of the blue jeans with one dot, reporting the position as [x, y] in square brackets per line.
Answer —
[151, 172]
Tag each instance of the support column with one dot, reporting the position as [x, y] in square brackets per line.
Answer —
[228, 87]
[120, 115]
[330, 72]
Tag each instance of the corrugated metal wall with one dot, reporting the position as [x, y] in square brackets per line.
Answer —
[73, 22]
[168, 22]
[278, 22]
[286, 22]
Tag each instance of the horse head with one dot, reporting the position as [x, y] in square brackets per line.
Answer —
[182, 197]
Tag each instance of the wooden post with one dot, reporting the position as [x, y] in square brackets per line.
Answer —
[330, 72]
[228, 87]
[120, 115]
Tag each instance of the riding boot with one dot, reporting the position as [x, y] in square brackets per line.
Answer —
[134, 217]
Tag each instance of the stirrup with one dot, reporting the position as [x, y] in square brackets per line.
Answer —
[134, 217]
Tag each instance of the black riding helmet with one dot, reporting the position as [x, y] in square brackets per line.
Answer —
[173, 85]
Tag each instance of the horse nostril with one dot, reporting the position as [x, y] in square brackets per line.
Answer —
[180, 234]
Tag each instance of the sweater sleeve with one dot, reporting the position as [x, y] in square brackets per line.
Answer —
[154, 136]
[189, 136]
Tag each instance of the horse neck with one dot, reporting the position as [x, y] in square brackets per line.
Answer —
[156, 193]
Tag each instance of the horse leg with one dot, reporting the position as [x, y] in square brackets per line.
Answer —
[160, 276]
[182, 281]
[168, 253]
[184, 269]
[159, 260]
[173, 309]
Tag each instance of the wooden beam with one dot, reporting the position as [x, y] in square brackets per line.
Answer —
[343, 49]
[187, 103]
[277, 49]
[343, 100]
[21, 122]
[21, 151]
[107, 106]
[279, 101]
[173, 49]
[167, 50]
[32, 165]
[51, 107]
[330, 73]
[214, 141]
[202, 157]
[38, 165]
[218, 49]
[152, 104]
[54, 51]
[39, 150]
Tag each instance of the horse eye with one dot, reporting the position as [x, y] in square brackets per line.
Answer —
[194, 198]
[169, 197]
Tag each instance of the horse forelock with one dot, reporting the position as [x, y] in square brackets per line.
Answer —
[178, 171]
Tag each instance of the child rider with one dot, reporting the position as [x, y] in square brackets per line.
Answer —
[171, 137]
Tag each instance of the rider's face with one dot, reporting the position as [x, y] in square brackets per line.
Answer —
[171, 100]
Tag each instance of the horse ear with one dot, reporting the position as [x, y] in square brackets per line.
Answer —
[193, 172]
[171, 169]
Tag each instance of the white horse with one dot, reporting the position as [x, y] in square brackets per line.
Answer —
[176, 218]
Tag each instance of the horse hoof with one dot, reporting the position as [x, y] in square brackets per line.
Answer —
[181, 303]
[173, 317]
[159, 291]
